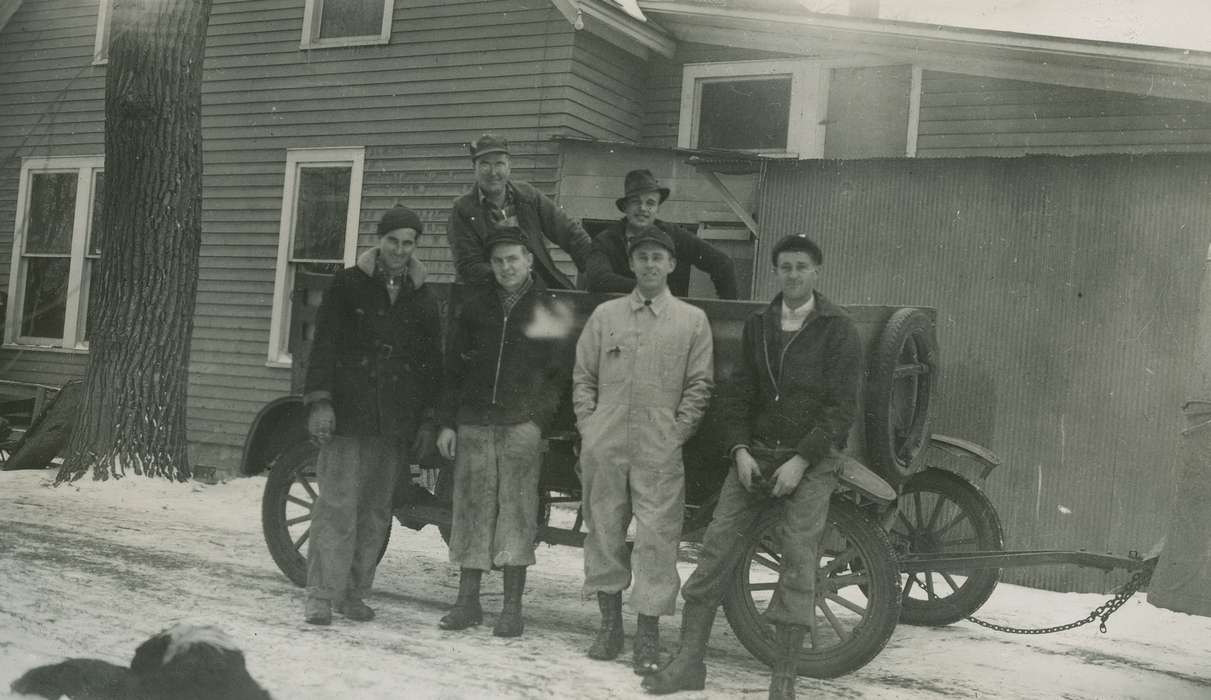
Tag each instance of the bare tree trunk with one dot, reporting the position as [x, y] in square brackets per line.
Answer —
[140, 312]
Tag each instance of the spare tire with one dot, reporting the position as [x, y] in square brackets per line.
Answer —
[899, 384]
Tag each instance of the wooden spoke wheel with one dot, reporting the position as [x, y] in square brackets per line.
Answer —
[940, 512]
[857, 593]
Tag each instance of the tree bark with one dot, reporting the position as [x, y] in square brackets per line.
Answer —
[141, 301]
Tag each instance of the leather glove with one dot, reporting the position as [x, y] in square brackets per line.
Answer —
[321, 421]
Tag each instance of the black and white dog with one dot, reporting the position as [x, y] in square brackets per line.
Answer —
[184, 662]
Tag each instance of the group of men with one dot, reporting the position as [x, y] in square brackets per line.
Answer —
[641, 382]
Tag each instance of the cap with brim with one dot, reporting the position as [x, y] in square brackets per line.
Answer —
[651, 234]
[637, 182]
[510, 235]
[489, 143]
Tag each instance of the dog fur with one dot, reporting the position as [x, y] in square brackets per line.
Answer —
[184, 662]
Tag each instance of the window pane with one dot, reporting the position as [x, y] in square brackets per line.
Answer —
[744, 114]
[323, 204]
[340, 18]
[94, 229]
[52, 213]
[45, 298]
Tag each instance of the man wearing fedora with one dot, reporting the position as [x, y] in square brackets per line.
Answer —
[608, 265]
[643, 376]
[498, 202]
[505, 371]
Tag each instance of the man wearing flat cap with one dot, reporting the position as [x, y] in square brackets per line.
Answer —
[373, 373]
[497, 202]
[609, 267]
[506, 368]
[640, 386]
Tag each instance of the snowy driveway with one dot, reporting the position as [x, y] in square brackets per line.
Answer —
[94, 569]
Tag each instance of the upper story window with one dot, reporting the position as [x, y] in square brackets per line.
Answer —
[809, 108]
[104, 20]
[346, 22]
[321, 208]
[55, 246]
[762, 106]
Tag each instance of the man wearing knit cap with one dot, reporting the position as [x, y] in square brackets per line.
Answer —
[373, 374]
[506, 368]
[643, 376]
[497, 202]
[609, 268]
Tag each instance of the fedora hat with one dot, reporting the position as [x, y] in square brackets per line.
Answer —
[638, 182]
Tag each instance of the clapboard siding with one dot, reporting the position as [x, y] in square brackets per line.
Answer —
[969, 116]
[451, 71]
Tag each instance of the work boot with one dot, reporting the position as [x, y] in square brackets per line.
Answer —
[317, 611]
[788, 639]
[510, 622]
[356, 610]
[645, 655]
[466, 611]
[687, 670]
[608, 644]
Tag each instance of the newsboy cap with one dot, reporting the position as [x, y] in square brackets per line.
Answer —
[397, 217]
[488, 143]
[506, 234]
[638, 182]
[651, 234]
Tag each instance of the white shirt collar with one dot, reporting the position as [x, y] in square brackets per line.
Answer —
[792, 319]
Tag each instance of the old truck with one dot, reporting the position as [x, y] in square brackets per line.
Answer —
[869, 576]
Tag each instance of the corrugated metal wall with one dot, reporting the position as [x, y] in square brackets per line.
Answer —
[1066, 291]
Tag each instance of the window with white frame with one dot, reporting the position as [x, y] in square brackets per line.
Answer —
[104, 20]
[346, 22]
[321, 207]
[762, 106]
[55, 246]
[782, 107]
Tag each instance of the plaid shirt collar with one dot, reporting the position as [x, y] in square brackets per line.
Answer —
[509, 299]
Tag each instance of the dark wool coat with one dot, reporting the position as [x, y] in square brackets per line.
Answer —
[505, 370]
[536, 214]
[804, 395]
[609, 269]
[379, 362]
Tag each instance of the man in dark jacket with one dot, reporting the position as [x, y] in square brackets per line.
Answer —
[507, 363]
[497, 202]
[374, 370]
[609, 268]
[789, 412]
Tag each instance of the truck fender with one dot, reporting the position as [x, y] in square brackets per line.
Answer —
[278, 425]
[966, 448]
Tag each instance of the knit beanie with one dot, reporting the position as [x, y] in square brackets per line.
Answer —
[399, 216]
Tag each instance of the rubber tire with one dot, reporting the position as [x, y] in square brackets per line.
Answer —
[285, 469]
[973, 592]
[875, 559]
[893, 454]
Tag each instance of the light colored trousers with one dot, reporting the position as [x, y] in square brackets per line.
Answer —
[352, 514]
[496, 470]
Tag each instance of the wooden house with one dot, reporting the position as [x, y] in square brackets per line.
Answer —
[996, 176]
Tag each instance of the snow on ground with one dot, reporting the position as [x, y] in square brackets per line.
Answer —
[94, 569]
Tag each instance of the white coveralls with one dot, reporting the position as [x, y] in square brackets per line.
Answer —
[643, 377]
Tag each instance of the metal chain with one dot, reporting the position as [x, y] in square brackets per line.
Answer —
[1103, 611]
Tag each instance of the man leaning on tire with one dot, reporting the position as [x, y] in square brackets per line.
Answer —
[792, 401]
[374, 373]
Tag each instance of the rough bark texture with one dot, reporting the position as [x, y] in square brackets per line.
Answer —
[142, 295]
